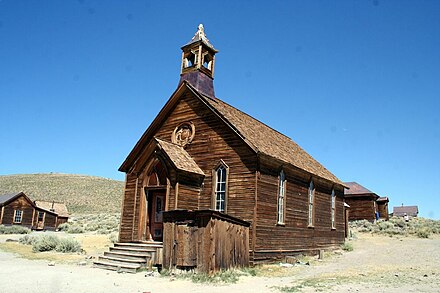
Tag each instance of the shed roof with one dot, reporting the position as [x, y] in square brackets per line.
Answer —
[179, 157]
[383, 199]
[58, 208]
[402, 210]
[357, 190]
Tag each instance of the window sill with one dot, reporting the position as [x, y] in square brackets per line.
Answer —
[334, 229]
[311, 226]
[281, 224]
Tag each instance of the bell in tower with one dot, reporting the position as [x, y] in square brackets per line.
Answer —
[198, 63]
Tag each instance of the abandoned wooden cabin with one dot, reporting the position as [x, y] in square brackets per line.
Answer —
[49, 215]
[201, 153]
[363, 203]
[17, 209]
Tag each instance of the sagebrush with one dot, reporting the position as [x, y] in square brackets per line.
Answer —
[14, 229]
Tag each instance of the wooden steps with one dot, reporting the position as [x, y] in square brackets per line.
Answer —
[131, 257]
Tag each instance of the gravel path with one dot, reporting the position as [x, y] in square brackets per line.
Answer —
[377, 264]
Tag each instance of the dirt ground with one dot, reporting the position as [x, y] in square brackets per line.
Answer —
[377, 264]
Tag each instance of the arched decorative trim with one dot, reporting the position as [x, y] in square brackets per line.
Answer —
[281, 215]
[220, 175]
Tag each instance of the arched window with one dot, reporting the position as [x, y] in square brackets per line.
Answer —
[333, 207]
[282, 198]
[220, 187]
[157, 175]
[311, 202]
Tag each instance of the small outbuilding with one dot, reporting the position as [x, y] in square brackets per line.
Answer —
[382, 207]
[49, 215]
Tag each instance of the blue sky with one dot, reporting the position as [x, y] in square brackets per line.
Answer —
[355, 83]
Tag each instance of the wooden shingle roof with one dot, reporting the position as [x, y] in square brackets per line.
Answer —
[356, 189]
[270, 142]
[260, 137]
[55, 207]
[7, 197]
[179, 157]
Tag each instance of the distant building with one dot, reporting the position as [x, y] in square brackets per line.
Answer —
[364, 203]
[411, 211]
[19, 209]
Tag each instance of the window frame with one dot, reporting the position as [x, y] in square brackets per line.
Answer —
[281, 198]
[333, 209]
[311, 204]
[215, 182]
[20, 216]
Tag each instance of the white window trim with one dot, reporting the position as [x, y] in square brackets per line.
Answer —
[311, 204]
[333, 209]
[215, 192]
[15, 216]
[281, 199]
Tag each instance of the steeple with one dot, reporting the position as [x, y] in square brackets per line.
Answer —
[198, 63]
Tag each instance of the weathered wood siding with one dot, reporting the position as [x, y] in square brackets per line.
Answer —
[61, 220]
[273, 241]
[214, 141]
[20, 203]
[206, 243]
[50, 221]
[188, 197]
[128, 206]
[382, 207]
[361, 208]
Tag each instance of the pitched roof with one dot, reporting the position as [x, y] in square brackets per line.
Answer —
[268, 141]
[179, 157]
[260, 137]
[8, 196]
[58, 208]
[357, 189]
[200, 36]
[402, 210]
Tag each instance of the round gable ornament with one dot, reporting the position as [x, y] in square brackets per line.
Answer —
[183, 134]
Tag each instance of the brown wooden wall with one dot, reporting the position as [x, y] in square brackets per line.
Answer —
[50, 221]
[382, 207]
[128, 205]
[188, 197]
[361, 208]
[205, 243]
[61, 220]
[273, 241]
[213, 142]
[19, 203]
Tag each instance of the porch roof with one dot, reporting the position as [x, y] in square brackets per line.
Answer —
[179, 157]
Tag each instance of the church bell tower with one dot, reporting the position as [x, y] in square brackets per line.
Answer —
[198, 60]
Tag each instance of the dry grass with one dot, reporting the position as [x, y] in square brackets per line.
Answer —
[82, 194]
[92, 245]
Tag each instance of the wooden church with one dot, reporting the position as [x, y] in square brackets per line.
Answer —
[202, 154]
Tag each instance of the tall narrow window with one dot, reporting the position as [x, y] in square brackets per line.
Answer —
[333, 209]
[220, 191]
[311, 200]
[18, 216]
[282, 198]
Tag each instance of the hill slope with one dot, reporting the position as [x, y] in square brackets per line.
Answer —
[82, 194]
